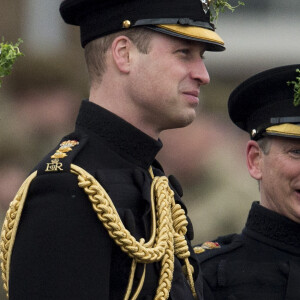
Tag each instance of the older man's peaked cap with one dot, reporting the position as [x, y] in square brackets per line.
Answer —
[264, 104]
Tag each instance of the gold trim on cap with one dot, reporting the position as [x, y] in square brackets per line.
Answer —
[285, 129]
[194, 32]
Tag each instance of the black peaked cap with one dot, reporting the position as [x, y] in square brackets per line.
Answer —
[98, 18]
[265, 100]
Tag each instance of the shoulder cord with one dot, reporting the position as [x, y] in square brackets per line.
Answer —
[168, 231]
[10, 227]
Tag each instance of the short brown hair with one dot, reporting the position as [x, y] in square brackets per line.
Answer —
[95, 51]
[265, 144]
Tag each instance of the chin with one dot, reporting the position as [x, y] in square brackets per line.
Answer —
[189, 119]
[183, 124]
[179, 121]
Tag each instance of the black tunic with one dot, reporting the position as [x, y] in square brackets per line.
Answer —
[263, 262]
[62, 251]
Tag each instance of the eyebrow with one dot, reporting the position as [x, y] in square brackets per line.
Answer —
[183, 43]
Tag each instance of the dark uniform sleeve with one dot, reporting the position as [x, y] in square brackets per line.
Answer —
[62, 250]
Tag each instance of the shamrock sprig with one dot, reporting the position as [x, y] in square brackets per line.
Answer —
[296, 88]
[220, 5]
[9, 52]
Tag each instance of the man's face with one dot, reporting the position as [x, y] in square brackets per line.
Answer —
[165, 83]
[280, 177]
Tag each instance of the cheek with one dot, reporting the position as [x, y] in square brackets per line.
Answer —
[171, 69]
[272, 177]
[161, 79]
[281, 178]
[287, 169]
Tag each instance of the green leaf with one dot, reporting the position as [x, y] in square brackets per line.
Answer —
[219, 6]
[296, 88]
[9, 52]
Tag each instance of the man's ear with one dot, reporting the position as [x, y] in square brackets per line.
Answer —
[254, 159]
[120, 48]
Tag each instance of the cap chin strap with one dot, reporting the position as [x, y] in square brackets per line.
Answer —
[167, 239]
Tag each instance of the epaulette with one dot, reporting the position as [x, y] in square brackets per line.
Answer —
[61, 157]
[220, 246]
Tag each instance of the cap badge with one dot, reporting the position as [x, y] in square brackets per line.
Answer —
[205, 5]
[296, 88]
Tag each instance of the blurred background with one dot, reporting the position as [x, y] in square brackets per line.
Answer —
[39, 102]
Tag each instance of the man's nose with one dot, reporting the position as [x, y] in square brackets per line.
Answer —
[199, 72]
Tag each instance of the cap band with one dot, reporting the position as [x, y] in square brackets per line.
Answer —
[282, 120]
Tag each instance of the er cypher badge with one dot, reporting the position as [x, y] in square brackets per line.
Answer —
[65, 147]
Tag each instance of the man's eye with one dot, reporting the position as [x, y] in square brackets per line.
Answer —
[184, 51]
[295, 151]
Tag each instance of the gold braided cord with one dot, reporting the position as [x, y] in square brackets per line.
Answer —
[167, 239]
[9, 229]
[169, 234]
[130, 282]
[108, 215]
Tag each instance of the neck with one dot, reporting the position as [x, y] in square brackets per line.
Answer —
[115, 100]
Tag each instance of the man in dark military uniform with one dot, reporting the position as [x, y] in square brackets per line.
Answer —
[263, 262]
[97, 219]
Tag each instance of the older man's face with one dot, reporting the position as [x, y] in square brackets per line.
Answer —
[280, 177]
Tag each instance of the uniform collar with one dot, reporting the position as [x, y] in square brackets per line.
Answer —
[272, 228]
[122, 137]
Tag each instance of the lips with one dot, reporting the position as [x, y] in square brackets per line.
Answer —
[192, 93]
[192, 97]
